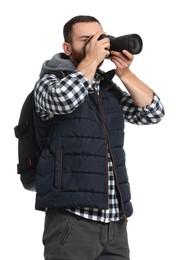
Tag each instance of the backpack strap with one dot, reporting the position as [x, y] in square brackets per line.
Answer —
[20, 129]
[29, 163]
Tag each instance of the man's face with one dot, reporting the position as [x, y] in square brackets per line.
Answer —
[80, 34]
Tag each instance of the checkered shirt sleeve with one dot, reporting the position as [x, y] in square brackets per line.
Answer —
[151, 114]
[59, 96]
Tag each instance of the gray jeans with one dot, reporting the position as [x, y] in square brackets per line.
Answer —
[69, 237]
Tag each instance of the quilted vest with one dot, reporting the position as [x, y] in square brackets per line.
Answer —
[73, 171]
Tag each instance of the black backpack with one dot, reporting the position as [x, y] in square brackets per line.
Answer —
[29, 147]
[30, 143]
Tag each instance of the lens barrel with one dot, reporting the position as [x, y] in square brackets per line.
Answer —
[130, 42]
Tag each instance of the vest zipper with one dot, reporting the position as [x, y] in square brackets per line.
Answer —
[108, 146]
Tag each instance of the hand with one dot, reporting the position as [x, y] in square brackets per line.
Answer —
[122, 60]
[97, 50]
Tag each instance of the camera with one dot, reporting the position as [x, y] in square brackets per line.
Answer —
[130, 42]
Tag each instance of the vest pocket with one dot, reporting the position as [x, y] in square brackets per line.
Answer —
[58, 169]
[45, 173]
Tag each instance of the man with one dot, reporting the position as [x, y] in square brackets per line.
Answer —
[82, 180]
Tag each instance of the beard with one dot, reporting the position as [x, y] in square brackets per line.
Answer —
[77, 56]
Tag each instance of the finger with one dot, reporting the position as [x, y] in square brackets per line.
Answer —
[121, 58]
[119, 62]
[104, 42]
[98, 34]
[124, 55]
[128, 55]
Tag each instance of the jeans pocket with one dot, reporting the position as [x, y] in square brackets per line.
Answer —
[67, 230]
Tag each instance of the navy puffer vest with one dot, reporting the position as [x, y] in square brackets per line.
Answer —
[73, 171]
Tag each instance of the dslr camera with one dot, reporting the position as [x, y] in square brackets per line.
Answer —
[130, 42]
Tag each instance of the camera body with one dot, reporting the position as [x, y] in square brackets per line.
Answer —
[130, 42]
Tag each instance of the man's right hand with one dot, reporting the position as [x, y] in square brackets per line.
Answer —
[95, 52]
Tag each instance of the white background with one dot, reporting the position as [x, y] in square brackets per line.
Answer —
[31, 32]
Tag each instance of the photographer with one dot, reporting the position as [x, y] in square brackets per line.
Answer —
[82, 181]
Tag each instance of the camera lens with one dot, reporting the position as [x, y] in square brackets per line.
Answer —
[131, 42]
[134, 45]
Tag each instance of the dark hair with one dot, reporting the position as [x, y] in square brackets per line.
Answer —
[67, 29]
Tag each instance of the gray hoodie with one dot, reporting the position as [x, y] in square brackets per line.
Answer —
[59, 62]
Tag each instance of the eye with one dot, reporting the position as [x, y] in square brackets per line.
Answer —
[85, 38]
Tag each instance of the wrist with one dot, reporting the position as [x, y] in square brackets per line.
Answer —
[126, 76]
[88, 68]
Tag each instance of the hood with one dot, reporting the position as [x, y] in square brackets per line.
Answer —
[59, 62]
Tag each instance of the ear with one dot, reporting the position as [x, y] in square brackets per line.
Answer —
[67, 48]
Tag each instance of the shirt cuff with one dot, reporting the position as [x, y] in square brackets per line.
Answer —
[153, 106]
[82, 78]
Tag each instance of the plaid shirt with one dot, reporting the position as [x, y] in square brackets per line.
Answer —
[61, 96]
